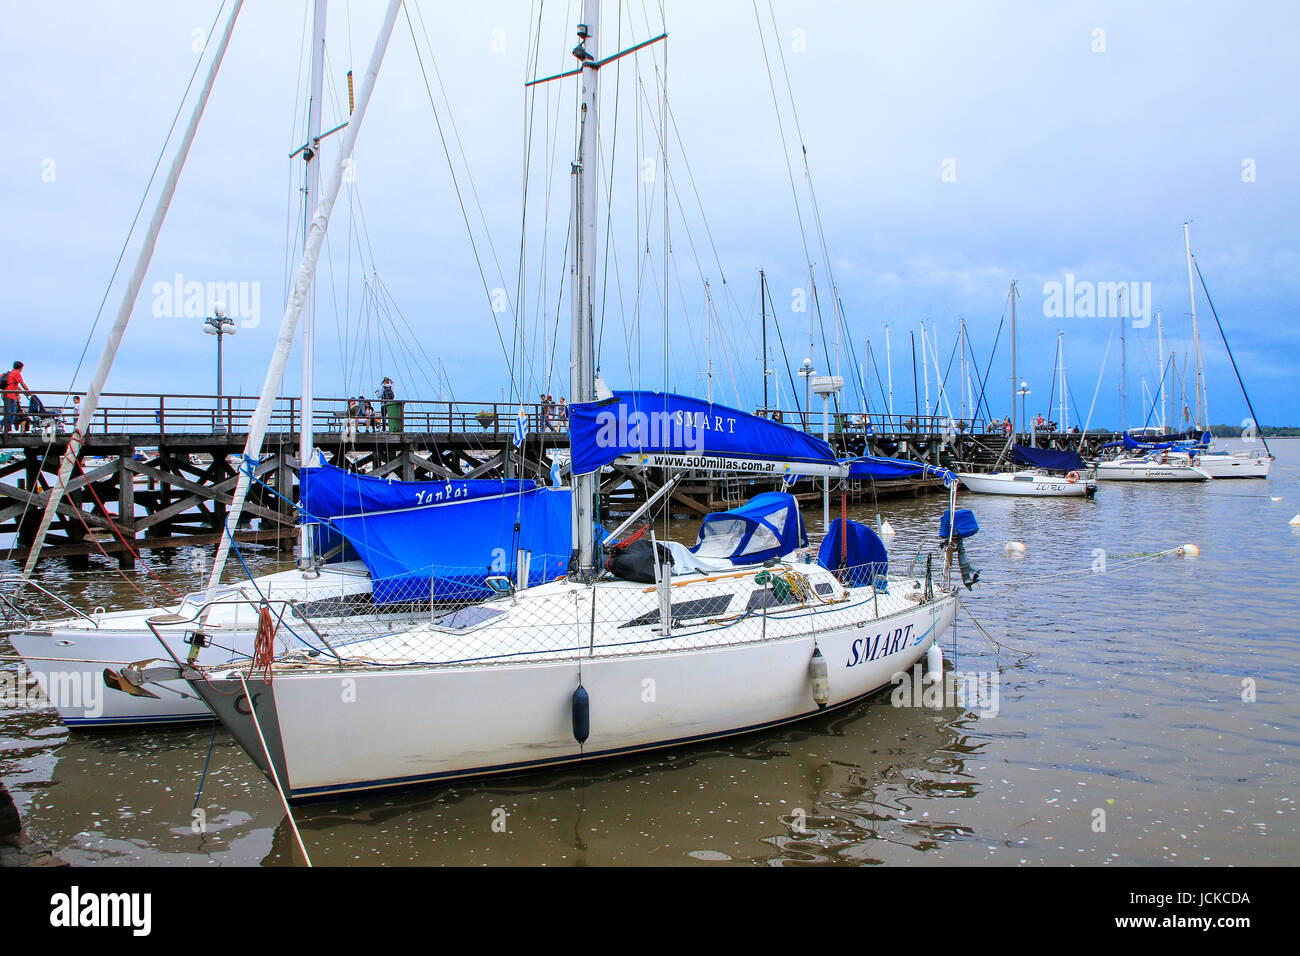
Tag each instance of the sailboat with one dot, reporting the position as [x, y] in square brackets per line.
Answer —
[643, 644]
[349, 560]
[1042, 473]
[1187, 456]
[1217, 463]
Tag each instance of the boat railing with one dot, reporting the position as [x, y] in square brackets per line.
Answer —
[457, 619]
[25, 603]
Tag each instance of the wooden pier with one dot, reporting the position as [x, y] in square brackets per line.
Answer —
[159, 471]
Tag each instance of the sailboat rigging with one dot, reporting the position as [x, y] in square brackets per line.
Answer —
[740, 632]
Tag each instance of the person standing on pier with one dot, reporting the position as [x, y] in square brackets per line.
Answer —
[13, 387]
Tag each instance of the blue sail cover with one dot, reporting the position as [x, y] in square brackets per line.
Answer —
[767, 526]
[674, 431]
[868, 466]
[1180, 442]
[1047, 459]
[866, 558]
[440, 538]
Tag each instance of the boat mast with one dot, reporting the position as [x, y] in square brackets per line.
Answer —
[1060, 364]
[1123, 366]
[1160, 340]
[961, 336]
[136, 280]
[708, 339]
[925, 368]
[303, 278]
[582, 374]
[311, 185]
[889, 366]
[762, 305]
[1015, 381]
[1196, 334]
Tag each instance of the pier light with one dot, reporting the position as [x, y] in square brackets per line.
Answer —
[220, 326]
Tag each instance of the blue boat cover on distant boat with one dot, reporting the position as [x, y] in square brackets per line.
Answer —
[676, 431]
[865, 557]
[868, 466]
[767, 526]
[1047, 459]
[1182, 440]
[436, 538]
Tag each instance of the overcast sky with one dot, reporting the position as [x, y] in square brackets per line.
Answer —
[953, 147]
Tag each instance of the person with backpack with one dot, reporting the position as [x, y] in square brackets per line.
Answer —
[13, 387]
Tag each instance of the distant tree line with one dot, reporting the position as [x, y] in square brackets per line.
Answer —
[1264, 431]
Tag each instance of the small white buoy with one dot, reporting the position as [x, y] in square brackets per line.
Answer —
[933, 663]
[1295, 520]
[821, 684]
[1015, 547]
[1189, 551]
[1277, 499]
[887, 529]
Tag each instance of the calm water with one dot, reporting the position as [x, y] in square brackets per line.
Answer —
[1120, 734]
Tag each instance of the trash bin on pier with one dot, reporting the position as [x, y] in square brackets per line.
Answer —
[394, 415]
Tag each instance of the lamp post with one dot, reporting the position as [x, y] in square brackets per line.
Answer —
[1024, 391]
[807, 371]
[219, 325]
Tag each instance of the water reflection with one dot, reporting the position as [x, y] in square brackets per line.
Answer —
[833, 790]
[1161, 696]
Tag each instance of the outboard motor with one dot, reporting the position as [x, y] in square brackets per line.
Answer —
[959, 530]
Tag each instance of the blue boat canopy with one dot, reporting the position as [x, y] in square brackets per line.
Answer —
[1183, 440]
[869, 466]
[438, 539]
[856, 551]
[664, 430]
[1047, 459]
[766, 526]
[966, 524]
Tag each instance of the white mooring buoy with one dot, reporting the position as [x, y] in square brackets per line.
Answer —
[934, 663]
[821, 681]
[1295, 520]
[1189, 551]
[887, 529]
[1015, 547]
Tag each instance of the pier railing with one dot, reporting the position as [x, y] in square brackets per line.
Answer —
[175, 414]
[872, 423]
[134, 413]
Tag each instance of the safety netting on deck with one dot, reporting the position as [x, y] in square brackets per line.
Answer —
[567, 619]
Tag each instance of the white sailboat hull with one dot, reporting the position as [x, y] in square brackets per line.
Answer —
[1234, 466]
[1143, 470]
[68, 657]
[1027, 484]
[336, 732]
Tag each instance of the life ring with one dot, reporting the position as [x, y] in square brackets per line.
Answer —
[1072, 477]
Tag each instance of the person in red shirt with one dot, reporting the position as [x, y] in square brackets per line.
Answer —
[14, 386]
